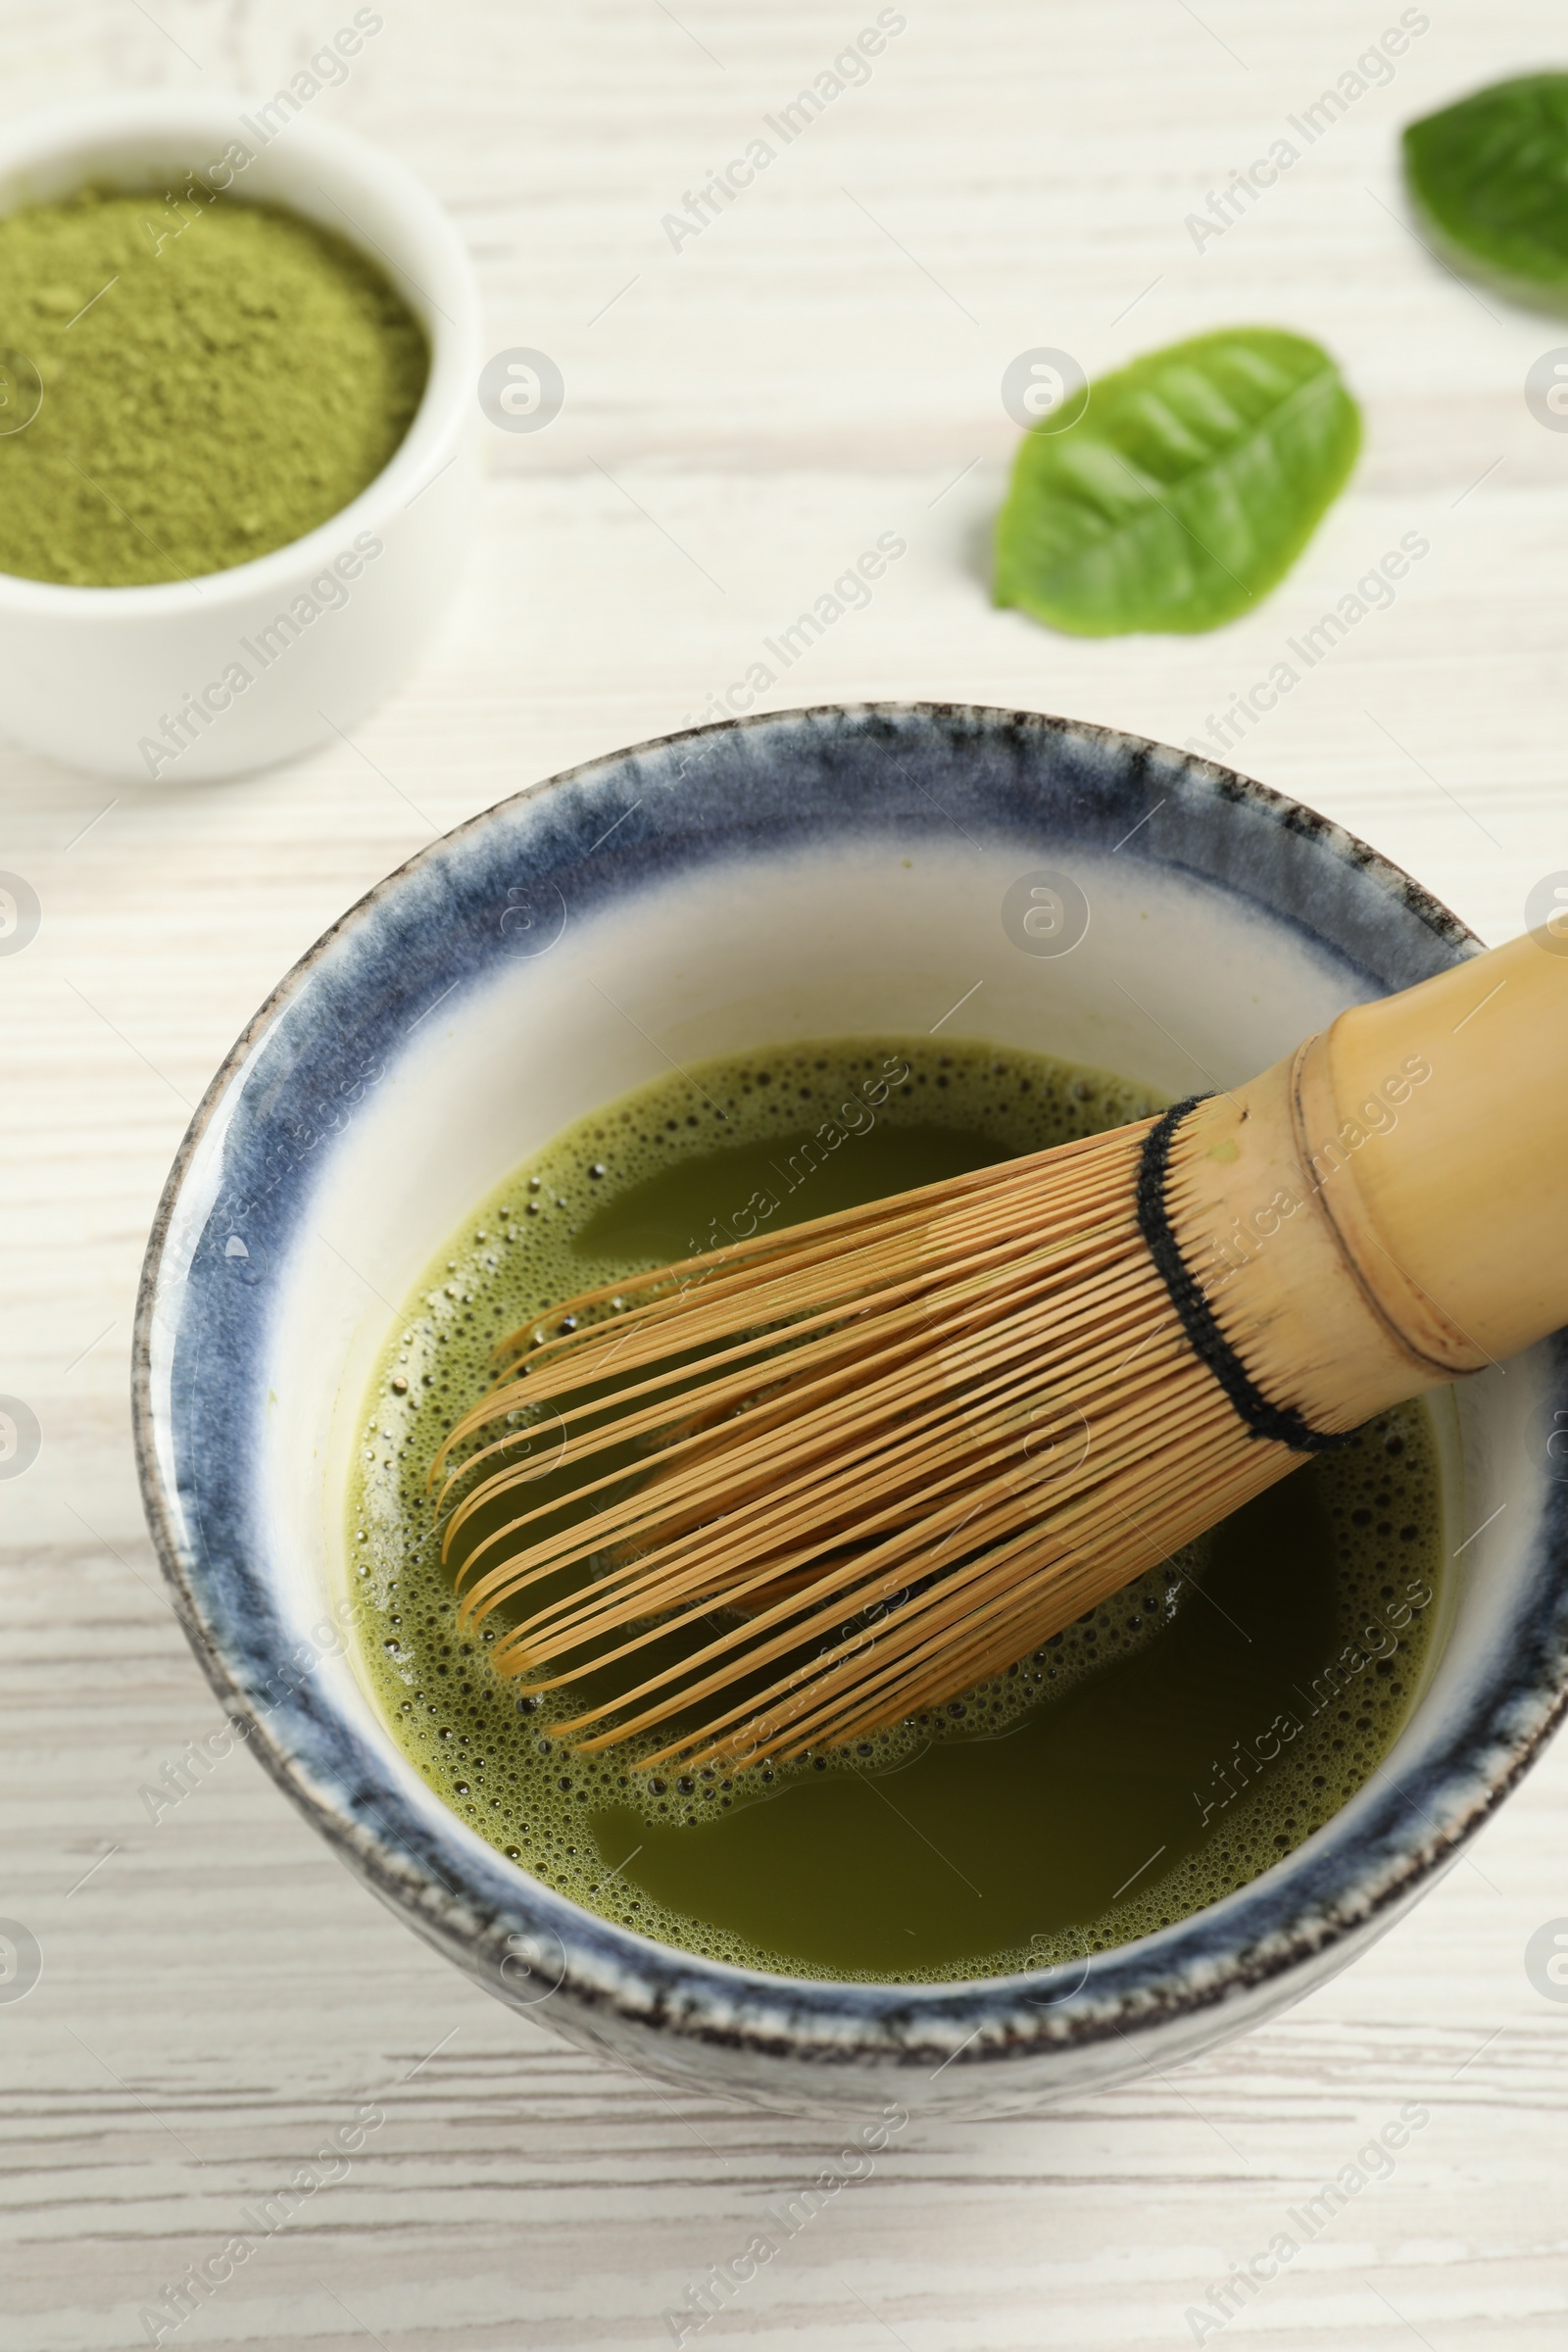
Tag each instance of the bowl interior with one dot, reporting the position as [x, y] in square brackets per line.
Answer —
[814, 875]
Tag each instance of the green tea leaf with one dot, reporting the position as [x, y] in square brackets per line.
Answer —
[1490, 176]
[1184, 492]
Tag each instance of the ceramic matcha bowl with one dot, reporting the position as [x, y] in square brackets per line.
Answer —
[96, 677]
[821, 872]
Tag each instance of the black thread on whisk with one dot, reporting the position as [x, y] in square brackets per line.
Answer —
[1208, 1342]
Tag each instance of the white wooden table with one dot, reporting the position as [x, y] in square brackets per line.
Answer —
[743, 415]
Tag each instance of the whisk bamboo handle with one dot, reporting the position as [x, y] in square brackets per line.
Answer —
[890, 1452]
[1388, 1208]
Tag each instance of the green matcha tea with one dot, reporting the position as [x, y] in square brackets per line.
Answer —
[188, 381]
[1155, 1757]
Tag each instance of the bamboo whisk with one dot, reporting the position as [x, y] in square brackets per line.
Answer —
[822, 1480]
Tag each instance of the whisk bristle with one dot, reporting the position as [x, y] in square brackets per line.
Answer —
[812, 1484]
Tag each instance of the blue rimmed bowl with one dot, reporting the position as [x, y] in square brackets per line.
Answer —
[864, 868]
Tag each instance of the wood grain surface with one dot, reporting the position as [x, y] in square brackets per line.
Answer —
[743, 415]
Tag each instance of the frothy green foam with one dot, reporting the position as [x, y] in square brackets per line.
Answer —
[1151, 1760]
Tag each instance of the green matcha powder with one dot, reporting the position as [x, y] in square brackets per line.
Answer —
[217, 378]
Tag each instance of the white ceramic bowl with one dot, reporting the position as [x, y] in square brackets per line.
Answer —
[94, 675]
[763, 882]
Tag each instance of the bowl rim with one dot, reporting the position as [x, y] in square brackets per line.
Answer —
[453, 335]
[837, 2021]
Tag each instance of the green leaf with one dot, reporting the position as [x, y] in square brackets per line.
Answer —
[1184, 492]
[1490, 178]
